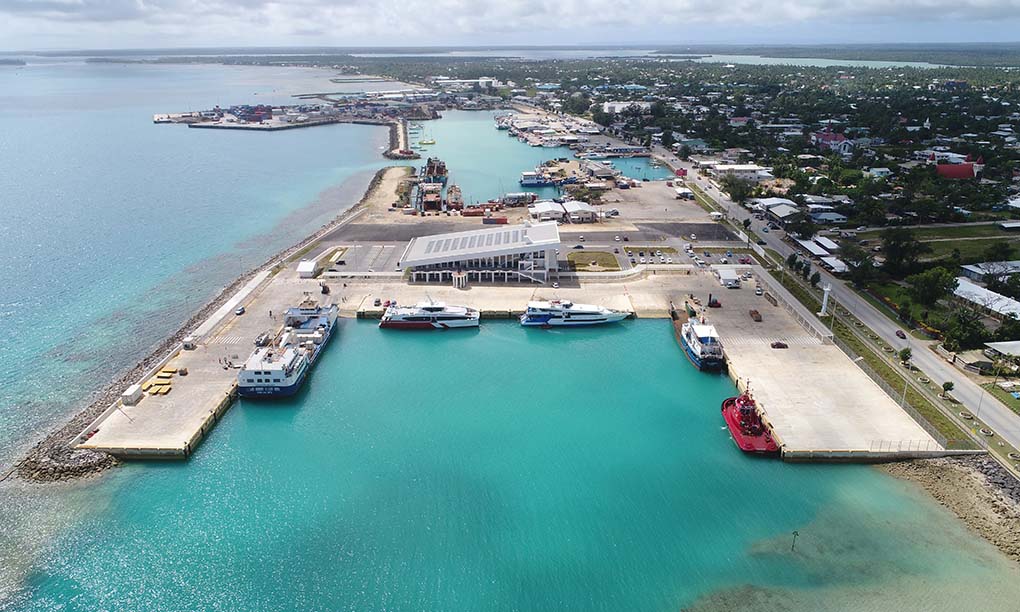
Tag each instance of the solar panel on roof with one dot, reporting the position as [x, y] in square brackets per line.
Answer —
[488, 240]
[431, 245]
[446, 245]
[471, 243]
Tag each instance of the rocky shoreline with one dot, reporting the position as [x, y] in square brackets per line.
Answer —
[53, 460]
[977, 489]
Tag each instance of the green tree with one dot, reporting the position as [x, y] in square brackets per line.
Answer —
[902, 250]
[738, 189]
[999, 250]
[791, 260]
[815, 278]
[964, 330]
[932, 285]
[747, 224]
[860, 265]
[947, 387]
[667, 137]
[905, 354]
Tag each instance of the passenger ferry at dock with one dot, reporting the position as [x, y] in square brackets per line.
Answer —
[701, 344]
[428, 315]
[562, 313]
[280, 368]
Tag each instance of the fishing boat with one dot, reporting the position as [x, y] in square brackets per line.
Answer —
[535, 179]
[429, 141]
[563, 313]
[428, 315]
[701, 344]
[744, 421]
[279, 368]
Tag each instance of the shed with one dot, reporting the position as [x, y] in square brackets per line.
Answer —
[307, 268]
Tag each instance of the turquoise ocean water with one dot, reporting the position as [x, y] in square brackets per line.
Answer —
[503, 469]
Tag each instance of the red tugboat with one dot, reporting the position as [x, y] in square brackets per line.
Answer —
[746, 427]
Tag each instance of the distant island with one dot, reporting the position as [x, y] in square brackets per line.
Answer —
[12, 62]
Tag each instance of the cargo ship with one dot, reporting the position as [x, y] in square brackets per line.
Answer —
[749, 432]
[428, 315]
[434, 171]
[281, 367]
[562, 313]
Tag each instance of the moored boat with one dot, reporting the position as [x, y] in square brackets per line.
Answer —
[564, 313]
[428, 315]
[744, 421]
[279, 368]
[701, 344]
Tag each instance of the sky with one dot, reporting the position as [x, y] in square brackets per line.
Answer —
[112, 24]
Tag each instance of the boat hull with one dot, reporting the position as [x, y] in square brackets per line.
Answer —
[552, 321]
[762, 444]
[423, 325]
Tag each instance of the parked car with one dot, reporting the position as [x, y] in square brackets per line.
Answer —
[758, 291]
[779, 345]
[616, 238]
[240, 311]
[579, 246]
[555, 285]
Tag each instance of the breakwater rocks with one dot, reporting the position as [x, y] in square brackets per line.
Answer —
[977, 489]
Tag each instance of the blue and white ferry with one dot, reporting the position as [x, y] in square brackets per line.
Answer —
[702, 345]
[279, 369]
[562, 313]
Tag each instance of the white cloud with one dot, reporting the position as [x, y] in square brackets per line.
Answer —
[118, 23]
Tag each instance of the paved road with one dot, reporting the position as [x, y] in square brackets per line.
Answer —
[1000, 418]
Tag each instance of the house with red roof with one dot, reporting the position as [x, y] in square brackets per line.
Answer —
[833, 141]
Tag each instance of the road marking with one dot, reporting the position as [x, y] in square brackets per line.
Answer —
[226, 340]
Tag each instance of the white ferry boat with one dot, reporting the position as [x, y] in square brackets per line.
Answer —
[565, 313]
[702, 345]
[279, 369]
[428, 315]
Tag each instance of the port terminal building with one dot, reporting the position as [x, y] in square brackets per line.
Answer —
[504, 254]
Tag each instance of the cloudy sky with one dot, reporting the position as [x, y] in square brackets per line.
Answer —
[75, 24]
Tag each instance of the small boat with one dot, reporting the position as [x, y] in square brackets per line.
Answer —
[428, 315]
[749, 432]
[702, 346]
[563, 313]
[430, 141]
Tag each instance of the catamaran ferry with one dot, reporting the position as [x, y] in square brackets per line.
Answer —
[566, 313]
[702, 345]
[428, 315]
[279, 369]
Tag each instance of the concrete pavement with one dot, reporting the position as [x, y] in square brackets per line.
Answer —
[994, 413]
